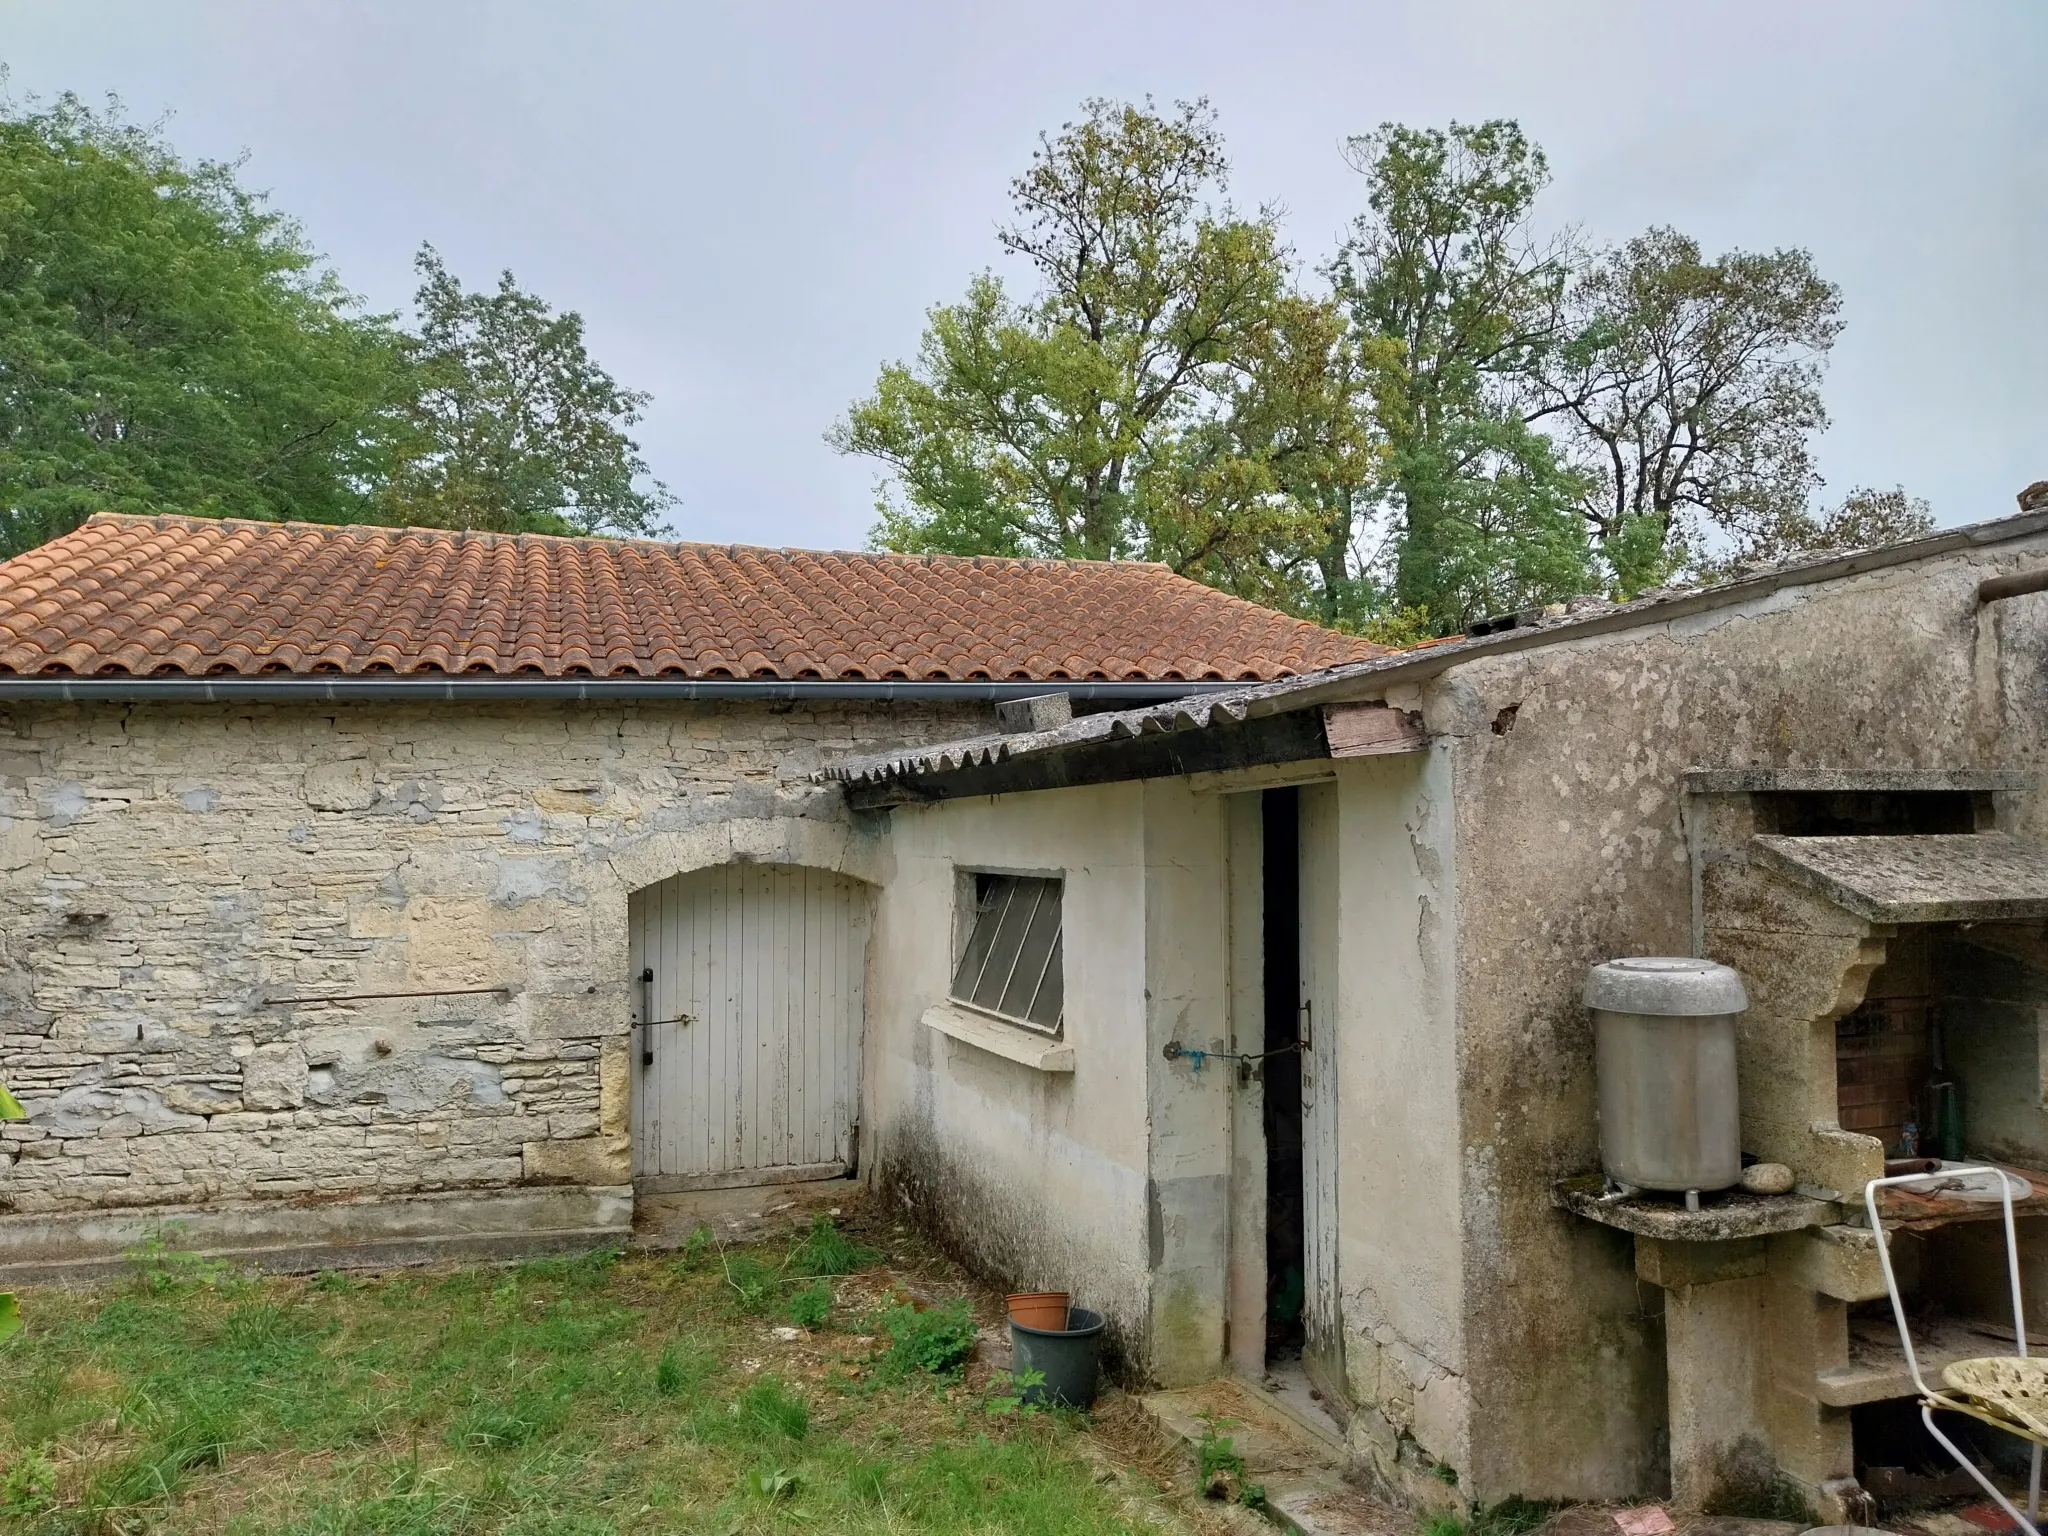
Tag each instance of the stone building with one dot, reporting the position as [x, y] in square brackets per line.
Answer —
[1324, 1081]
[325, 854]
[370, 895]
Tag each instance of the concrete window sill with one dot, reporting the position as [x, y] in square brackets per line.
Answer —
[1039, 1052]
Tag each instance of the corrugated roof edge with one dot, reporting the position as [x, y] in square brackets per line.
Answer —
[1340, 683]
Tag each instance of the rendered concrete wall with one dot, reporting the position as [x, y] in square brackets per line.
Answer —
[166, 870]
[1187, 996]
[1110, 1180]
[1571, 849]
[1401, 1164]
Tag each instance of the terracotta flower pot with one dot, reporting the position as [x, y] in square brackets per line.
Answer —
[1040, 1309]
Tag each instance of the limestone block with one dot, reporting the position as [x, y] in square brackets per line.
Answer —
[86, 1111]
[19, 845]
[1443, 1412]
[578, 1016]
[567, 799]
[1842, 1161]
[1373, 1438]
[274, 1077]
[200, 1098]
[1674, 1264]
[604, 1160]
[349, 785]
[615, 1087]
[448, 942]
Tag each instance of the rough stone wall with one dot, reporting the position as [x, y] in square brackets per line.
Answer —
[1571, 849]
[167, 871]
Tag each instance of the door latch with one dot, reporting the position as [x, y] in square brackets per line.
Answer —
[648, 1021]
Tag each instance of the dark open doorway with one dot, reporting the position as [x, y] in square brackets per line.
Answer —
[1285, 1251]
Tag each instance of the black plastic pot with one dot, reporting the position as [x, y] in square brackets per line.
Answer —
[1068, 1358]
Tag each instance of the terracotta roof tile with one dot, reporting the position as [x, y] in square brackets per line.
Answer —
[140, 595]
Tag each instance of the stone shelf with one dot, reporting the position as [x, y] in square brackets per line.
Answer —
[1722, 1218]
[1877, 1366]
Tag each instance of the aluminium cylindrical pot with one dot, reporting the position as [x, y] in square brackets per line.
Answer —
[1664, 1050]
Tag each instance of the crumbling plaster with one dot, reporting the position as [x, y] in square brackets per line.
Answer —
[1571, 849]
[1401, 1169]
[166, 869]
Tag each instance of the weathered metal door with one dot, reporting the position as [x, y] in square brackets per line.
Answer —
[1321, 1312]
[749, 1002]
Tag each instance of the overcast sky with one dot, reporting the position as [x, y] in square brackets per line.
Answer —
[754, 204]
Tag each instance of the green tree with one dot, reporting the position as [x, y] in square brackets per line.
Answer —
[1118, 411]
[509, 423]
[1864, 519]
[1444, 270]
[1688, 399]
[168, 342]
[1266, 490]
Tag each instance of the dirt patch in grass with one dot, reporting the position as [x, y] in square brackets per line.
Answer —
[598, 1394]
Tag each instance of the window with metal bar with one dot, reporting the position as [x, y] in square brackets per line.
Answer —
[1011, 966]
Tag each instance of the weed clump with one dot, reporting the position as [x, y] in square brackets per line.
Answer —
[1510, 1517]
[775, 1408]
[936, 1340]
[29, 1486]
[809, 1307]
[579, 1271]
[505, 1423]
[678, 1370]
[165, 1267]
[700, 1242]
[825, 1250]
[752, 1282]
[186, 1443]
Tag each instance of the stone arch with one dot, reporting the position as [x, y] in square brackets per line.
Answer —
[838, 846]
[787, 844]
[834, 845]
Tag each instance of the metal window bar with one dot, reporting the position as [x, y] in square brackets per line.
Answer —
[1022, 928]
[1000, 971]
[1931, 1399]
[1003, 949]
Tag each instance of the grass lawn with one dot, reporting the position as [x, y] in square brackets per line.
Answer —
[807, 1386]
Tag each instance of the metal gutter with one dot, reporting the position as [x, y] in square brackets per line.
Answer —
[343, 688]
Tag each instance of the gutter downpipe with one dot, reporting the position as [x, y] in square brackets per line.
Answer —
[354, 688]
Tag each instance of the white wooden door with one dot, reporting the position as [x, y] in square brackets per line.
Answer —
[1321, 1311]
[750, 1069]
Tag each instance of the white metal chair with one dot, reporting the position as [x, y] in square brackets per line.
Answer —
[2008, 1392]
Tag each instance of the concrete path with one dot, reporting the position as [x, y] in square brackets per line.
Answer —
[1298, 1464]
[754, 1214]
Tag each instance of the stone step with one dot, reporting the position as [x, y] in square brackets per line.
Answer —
[1299, 1467]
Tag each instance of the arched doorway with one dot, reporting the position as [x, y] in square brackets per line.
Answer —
[749, 1005]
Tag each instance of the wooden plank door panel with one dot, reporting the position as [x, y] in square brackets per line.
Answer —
[1322, 1309]
[768, 963]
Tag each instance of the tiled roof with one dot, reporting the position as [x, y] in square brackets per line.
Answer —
[125, 595]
